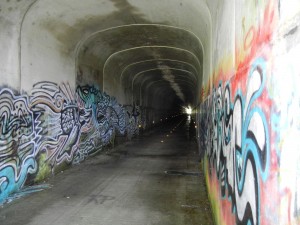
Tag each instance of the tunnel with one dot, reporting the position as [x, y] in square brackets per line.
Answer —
[210, 85]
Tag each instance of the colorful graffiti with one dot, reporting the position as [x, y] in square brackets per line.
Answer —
[18, 139]
[53, 125]
[106, 118]
[61, 129]
[239, 119]
[237, 144]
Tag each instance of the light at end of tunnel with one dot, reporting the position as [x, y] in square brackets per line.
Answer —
[188, 110]
[153, 122]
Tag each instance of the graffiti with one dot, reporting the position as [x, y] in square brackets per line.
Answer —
[18, 139]
[62, 127]
[17, 125]
[238, 148]
[105, 118]
[241, 131]
[53, 125]
[133, 121]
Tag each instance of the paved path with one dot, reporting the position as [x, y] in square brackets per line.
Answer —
[154, 179]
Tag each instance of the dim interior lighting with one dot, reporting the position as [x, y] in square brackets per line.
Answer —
[188, 110]
[140, 126]
[195, 126]
[153, 122]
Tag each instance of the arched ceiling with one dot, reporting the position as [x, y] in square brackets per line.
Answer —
[151, 53]
[122, 70]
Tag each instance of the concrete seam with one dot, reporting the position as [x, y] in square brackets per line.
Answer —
[138, 74]
[154, 60]
[20, 43]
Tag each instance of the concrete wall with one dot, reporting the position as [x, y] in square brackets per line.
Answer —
[52, 126]
[11, 18]
[249, 118]
[47, 120]
[52, 114]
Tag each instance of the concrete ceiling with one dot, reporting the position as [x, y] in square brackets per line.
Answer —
[133, 55]
[140, 51]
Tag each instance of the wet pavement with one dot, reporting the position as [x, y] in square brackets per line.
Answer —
[154, 179]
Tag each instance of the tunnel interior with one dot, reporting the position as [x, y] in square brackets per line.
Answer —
[79, 76]
[143, 54]
[92, 74]
[156, 67]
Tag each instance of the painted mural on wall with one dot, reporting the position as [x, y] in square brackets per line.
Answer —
[18, 138]
[242, 139]
[52, 125]
[238, 144]
[107, 118]
[133, 120]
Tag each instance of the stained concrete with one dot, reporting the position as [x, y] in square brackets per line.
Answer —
[154, 179]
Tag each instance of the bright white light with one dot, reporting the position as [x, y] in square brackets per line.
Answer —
[188, 110]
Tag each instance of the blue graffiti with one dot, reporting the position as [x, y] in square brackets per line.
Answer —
[11, 180]
[106, 116]
[238, 143]
[64, 125]
[18, 138]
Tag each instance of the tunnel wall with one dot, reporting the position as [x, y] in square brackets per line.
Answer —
[48, 121]
[53, 126]
[249, 116]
